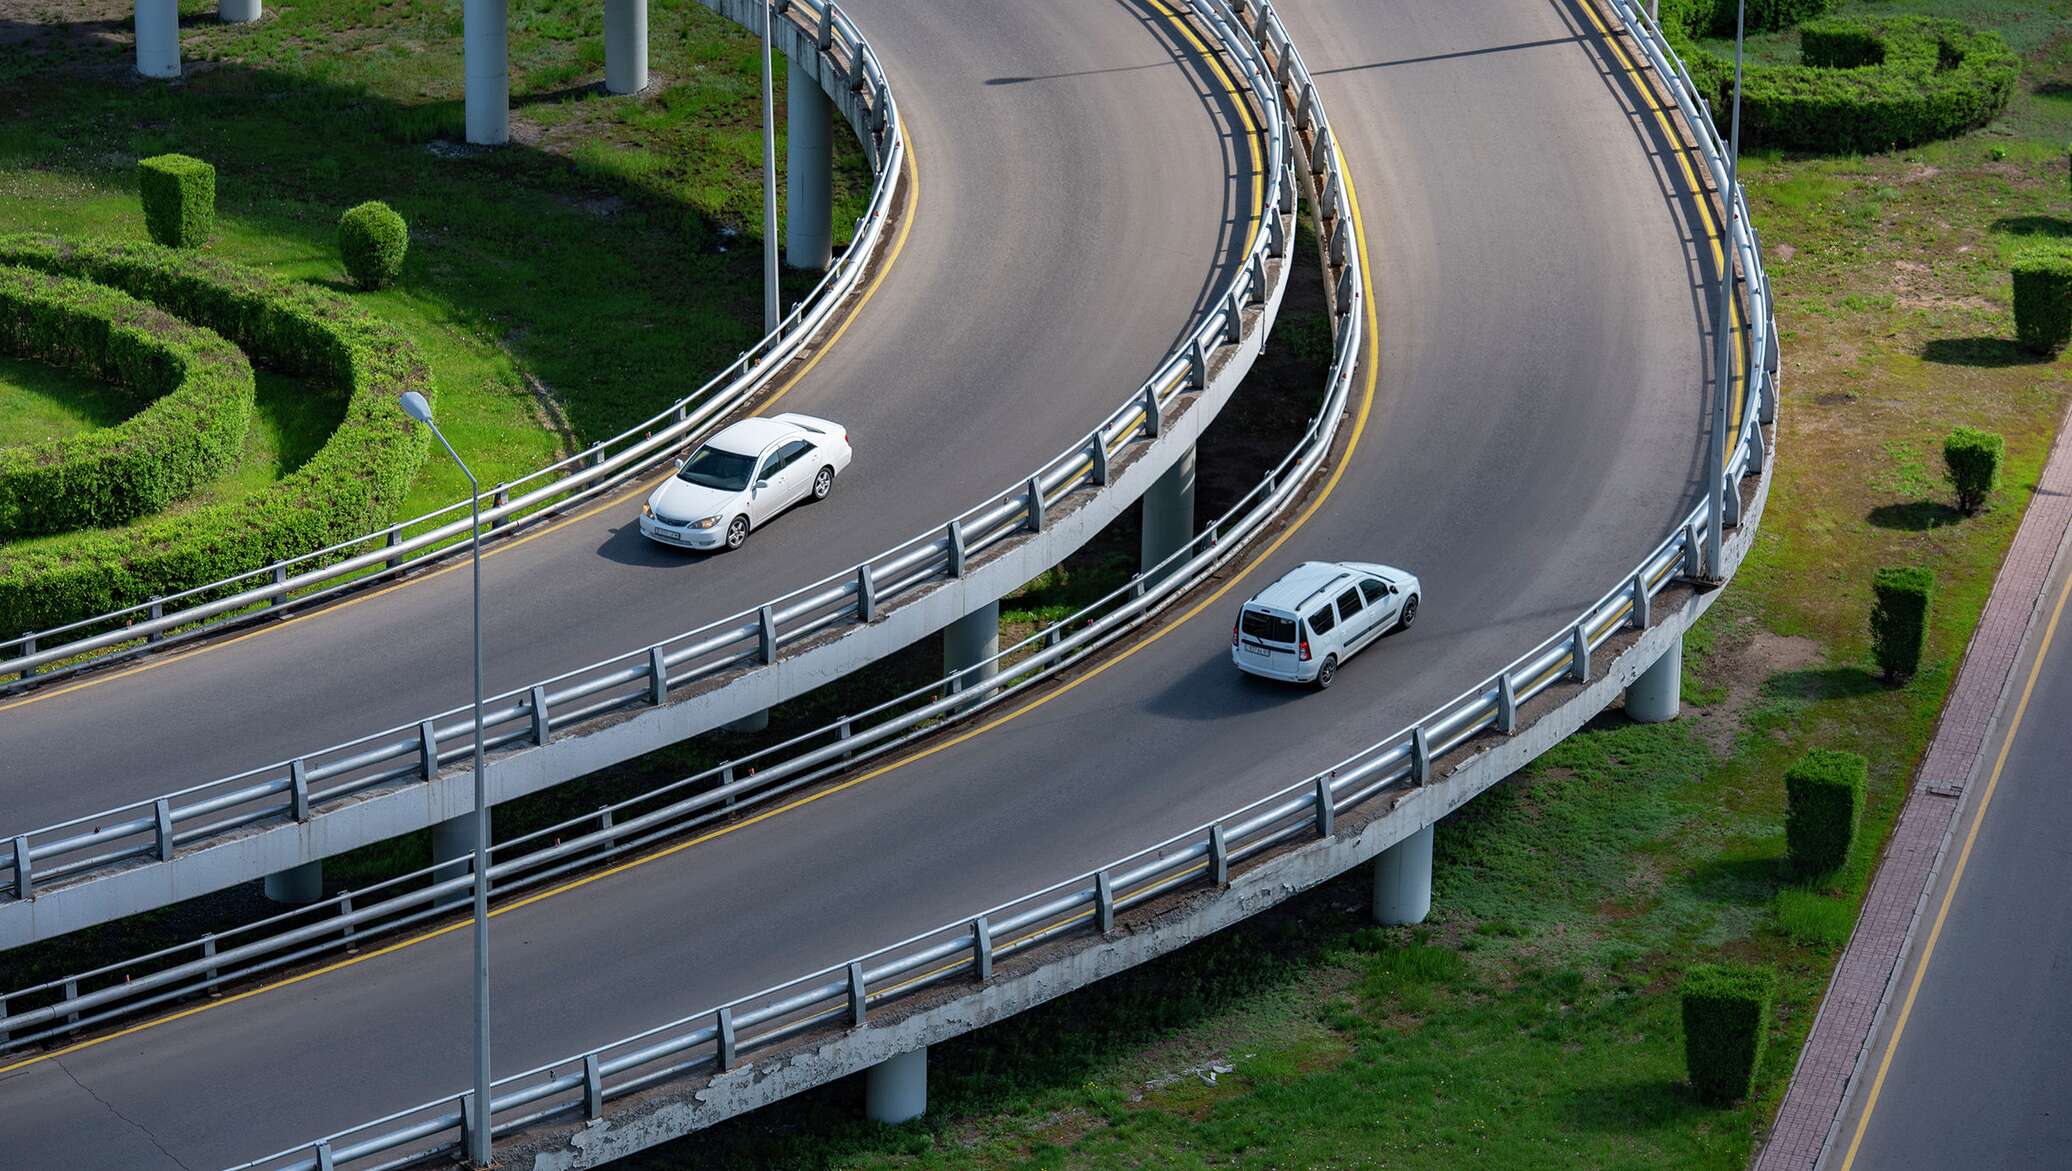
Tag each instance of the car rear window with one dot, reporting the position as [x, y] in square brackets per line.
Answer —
[1268, 627]
[1322, 621]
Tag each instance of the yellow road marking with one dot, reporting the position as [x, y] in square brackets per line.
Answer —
[1244, 110]
[1371, 363]
[611, 499]
[1978, 819]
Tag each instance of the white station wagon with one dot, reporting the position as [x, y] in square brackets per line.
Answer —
[1302, 628]
[740, 479]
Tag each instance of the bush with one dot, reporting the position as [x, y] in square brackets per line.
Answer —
[1972, 458]
[351, 486]
[179, 195]
[1823, 803]
[1899, 618]
[373, 238]
[198, 386]
[1726, 1019]
[2043, 300]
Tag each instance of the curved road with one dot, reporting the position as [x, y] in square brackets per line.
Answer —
[1083, 188]
[1538, 307]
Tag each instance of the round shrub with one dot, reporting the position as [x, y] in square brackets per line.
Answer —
[1972, 459]
[372, 238]
[193, 430]
[351, 486]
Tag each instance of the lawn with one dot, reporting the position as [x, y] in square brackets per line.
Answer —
[563, 287]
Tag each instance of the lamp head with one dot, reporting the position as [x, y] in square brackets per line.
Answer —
[415, 406]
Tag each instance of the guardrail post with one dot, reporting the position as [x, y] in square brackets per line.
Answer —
[1035, 506]
[1197, 365]
[1755, 450]
[843, 731]
[1420, 757]
[162, 811]
[428, 750]
[723, 1044]
[1104, 902]
[394, 538]
[858, 994]
[866, 594]
[345, 912]
[503, 497]
[1694, 554]
[298, 789]
[24, 875]
[766, 634]
[326, 1161]
[280, 579]
[1730, 502]
[1303, 106]
[1338, 241]
[1320, 154]
[3, 1016]
[826, 39]
[658, 677]
[604, 825]
[469, 1119]
[1342, 296]
[208, 952]
[1579, 653]
[1099, 451]
[1154, 418]
[1219, 856]
[1258, 281]
[542, 727]
[593, 1089]
[1234, 323]
[1326, 811]
[982, 949]
[956, 548]
[157, 613]
[71, 995]
[28, 648]
[1276, 235]
[1506, 704]
[1641, 614]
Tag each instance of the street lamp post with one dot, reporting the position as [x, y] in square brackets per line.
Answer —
[769, 186]
[1722, 363]
[416, 407]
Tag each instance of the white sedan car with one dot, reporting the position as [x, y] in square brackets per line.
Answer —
[741, 478]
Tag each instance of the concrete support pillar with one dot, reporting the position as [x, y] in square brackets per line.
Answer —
[486, 53]
[237, 11]
[158, 38]
[752, 722]
[453, 852]
[895, 1090]
[1168, 514]
[809, 225]
[1656, 696]
[297, 884]
[625, 46]
[970, 641]
[1403, 881]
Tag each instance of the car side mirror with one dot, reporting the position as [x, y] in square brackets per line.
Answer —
[681, 461]
[761, 484]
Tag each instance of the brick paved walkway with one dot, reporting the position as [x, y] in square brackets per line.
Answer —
[1869, 967]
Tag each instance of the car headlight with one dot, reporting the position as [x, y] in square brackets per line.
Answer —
[647, 509]
[707, 523]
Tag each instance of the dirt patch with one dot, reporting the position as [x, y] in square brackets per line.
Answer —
[1742, 660]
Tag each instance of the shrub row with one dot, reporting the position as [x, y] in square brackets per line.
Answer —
[191, 433]
[1823, 805]
[350, 486]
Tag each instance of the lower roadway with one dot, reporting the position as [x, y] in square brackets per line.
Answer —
[1536, 428]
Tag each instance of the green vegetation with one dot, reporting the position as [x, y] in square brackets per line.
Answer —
[1972, 459]
[39, 401]
[372, 240]
[1899, 618]
[2043, 300]
[1823, 805]
[192, 432]
[179, 195]
[1726, 1019]
[348, 487]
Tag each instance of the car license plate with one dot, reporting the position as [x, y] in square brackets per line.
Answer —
[1254, 650]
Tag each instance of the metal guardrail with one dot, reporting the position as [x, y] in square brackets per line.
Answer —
[407, 545]
[843, 995]
[159, 827]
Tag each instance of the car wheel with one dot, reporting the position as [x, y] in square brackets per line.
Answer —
[823, 483]
[1327, 671]
[737, 532]
[1409, 614]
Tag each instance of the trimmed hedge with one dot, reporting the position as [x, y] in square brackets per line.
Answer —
[372, 240]
[1899, 618]
[1823, 804]
[191, 433]
[1726, 1019]
[179, 195]
[2043, 300]
[351, 486]
[1972, 459]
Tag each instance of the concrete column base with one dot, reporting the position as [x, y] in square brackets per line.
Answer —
[237, 11]
[752, 722]
[297, 884]
[625, 46]
[158, 38]
[809, 225]
[1657, 695]
[969, 642]
[453, 852]
[1403, 881]
[1168, 515]
[486, 56]
[895, 1090]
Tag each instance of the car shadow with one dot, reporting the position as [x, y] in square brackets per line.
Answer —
[1214, 689]
[626, 546]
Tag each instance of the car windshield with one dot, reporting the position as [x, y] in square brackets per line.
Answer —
[710, 467]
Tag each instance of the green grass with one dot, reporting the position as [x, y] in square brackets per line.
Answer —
[39, 401]
[563, 288]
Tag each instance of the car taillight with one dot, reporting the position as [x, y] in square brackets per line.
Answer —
[1233, 634]
[1305, 650]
